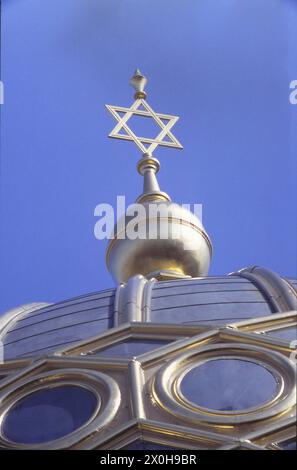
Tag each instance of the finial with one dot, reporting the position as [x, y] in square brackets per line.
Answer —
[186, 249]
[148, 166]
[138, 82]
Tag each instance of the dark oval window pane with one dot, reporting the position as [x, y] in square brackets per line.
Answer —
[285, 333]
[49, 414]
[132, 347]
[228, 384]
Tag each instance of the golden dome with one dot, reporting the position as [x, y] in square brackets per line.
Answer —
[168, 237]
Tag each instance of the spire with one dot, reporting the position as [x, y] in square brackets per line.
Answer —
[164, 239]
[148, 166]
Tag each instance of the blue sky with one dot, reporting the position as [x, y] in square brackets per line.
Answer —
[223, 66]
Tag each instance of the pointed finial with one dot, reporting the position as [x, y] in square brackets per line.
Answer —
[138, 82]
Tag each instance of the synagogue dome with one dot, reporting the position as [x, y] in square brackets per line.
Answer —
[170, 358]
[221, 342]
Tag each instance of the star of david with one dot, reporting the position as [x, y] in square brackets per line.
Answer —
[141, 108]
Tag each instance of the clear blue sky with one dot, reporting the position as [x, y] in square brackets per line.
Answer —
[223, 66]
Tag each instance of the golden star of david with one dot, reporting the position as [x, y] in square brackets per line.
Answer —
[141, 108]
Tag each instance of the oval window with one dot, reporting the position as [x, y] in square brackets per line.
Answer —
[228, 384]
[49, 414]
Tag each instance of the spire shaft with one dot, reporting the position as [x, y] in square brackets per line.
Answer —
[150, 182]
[148, 166]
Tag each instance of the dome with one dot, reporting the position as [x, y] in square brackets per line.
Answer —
[132, 346]
[168, 237]
[169, 359]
